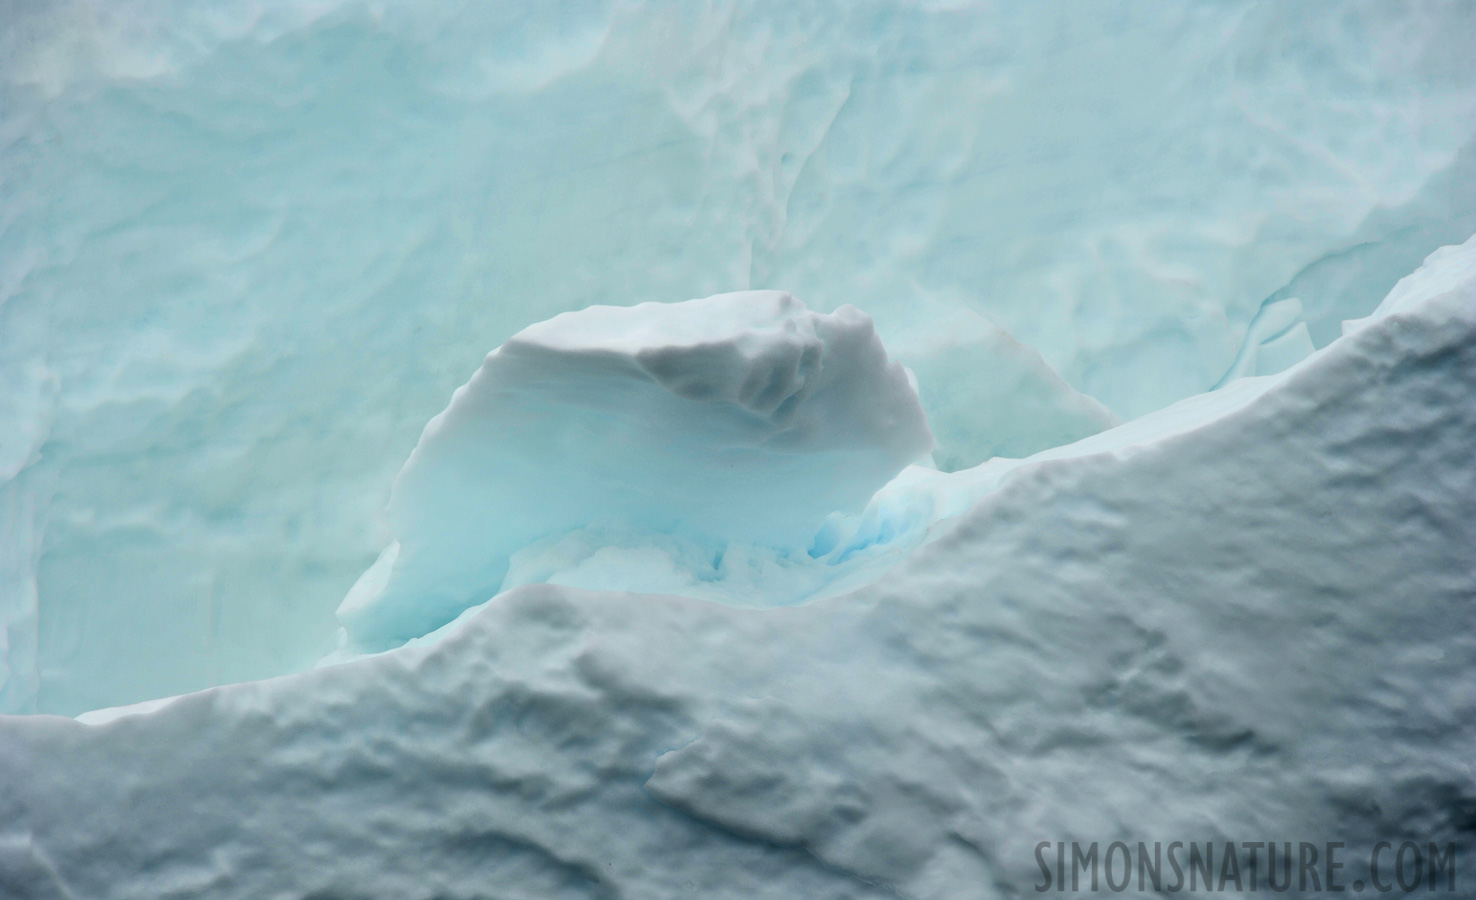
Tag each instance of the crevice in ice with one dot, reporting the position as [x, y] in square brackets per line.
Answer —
[1276, 340]
[1388, 245]
[1347, 284]
[988, 394]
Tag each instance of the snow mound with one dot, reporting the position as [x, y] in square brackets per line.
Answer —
[739, 417]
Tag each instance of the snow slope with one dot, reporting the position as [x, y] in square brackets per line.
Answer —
[1250, 620]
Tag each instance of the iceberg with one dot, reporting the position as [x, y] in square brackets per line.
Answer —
[1134, 507]
[1245, 617]
[248, 250]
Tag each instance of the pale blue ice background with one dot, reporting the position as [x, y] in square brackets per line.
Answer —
[248, 249]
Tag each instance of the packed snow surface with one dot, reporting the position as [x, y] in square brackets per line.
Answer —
[1247, 618]
[739, 418]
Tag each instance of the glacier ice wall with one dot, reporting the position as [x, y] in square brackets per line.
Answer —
[1245, 616]
[247, 250]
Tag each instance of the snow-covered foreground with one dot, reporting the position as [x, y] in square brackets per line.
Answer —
[1250, 618]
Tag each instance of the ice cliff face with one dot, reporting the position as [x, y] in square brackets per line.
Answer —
[1247, 615]
[248, 250]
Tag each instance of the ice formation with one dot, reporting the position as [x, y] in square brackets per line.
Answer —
[248, 250]
[671, 599]
[1246, 615]
[742, 418]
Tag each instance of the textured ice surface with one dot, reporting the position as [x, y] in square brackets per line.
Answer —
[247, 250]
[734, 647]
[1247, 615]
[988, 395]
[739, 418]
